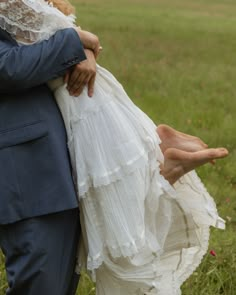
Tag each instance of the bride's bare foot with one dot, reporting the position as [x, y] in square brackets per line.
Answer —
[178, 162]
[172, 138]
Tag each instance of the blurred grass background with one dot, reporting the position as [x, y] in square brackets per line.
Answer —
[177, 61]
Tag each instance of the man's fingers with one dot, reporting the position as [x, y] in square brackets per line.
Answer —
[79, 86]
[91, 86]
[73, 77]
[78, 91]
[97, 50]
[66, 77]
[78, 73]
[78, 83]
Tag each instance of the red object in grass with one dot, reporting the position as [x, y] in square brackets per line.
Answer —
[213, 253]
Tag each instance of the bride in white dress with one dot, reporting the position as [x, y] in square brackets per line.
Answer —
[141, 235]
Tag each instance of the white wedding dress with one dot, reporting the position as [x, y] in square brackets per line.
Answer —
[140, 234]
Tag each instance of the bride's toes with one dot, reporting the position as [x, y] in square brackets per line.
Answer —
[178, 162]
[218, 153]
[224, 152]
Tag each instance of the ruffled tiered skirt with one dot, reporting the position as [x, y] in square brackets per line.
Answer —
[140, 234]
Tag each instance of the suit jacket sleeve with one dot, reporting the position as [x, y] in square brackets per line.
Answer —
[26, 66]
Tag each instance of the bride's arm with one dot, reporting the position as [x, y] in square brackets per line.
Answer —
[52, 51]
[27, 66]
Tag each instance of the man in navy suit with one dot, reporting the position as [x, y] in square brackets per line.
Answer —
[39, 226]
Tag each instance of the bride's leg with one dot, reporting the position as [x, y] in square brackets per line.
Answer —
[178, 162]
[172, 138]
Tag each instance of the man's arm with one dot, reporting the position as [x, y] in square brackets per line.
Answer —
[26, 66]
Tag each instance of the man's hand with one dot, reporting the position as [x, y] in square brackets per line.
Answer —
[89, 41]
[82, 74]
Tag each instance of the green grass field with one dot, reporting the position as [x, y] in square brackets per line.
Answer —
[177, 61]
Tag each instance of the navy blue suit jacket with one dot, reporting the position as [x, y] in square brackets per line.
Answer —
[35, 173]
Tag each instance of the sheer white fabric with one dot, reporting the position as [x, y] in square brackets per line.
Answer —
[32, 20]
[140, 234]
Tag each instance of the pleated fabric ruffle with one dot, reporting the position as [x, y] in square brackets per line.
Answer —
[140, 234]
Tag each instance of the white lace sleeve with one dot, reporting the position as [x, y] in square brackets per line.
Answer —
[31, 21]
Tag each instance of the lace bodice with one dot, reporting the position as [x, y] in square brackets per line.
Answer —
[30, 21]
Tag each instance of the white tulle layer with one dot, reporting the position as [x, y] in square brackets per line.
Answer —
[140, 235]
[109, 137]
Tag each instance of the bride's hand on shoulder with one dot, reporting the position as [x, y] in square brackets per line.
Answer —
[89, 41]
[81, 75]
